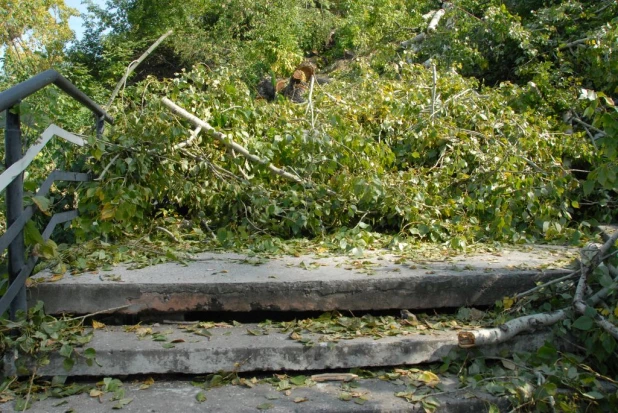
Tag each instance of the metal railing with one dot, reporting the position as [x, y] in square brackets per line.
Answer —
[19, 267]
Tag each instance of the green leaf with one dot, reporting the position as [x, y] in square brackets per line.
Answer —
[298, 380]
[68, 363]
[66, 350]
[42, 203]
[583, 323]
[265, 406]
[21, 405]
[121, 403]
[594, 395]
[48, 250]
[200, 397]
[90, 353]
[32, 235]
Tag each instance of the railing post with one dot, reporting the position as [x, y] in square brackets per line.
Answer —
[14, 204]
[99, 125]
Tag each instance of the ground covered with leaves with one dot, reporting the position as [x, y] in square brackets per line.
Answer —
[463, 124]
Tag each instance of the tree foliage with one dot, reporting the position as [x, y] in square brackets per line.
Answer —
[497, 125]
[33, 35]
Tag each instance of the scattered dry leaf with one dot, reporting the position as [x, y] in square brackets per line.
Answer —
[97, 325]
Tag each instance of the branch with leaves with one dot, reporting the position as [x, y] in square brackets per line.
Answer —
[591, 259]
[434, 18]
[229, 143]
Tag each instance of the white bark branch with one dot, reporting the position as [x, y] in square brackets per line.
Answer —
[133, 65]
[513, 327]
[435, 16]
[601, 321]
[197, 122]
[435, 20]
[509, 329]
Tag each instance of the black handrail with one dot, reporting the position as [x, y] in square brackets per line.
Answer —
[12, 96]
[19, 267]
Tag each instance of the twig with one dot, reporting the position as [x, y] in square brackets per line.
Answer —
[310, 103]
[29, 390]
[581, 284]
[587, 125]
[433, 92]
[184, 323]
[168, 232]
[194, 134]
[586, 128]
[214, 168]
[212, 233]
[547, 284]
[575, 43]
[134, 65]
[100, 178]
[109, 310]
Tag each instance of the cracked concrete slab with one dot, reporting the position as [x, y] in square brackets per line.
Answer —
[180, 396]
[179, 351]
[233, 282]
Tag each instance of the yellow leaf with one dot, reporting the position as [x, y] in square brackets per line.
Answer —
[97, 325]
[616, 311]
[107, 212]
[508, 302]
[429, 378]
[143, 331]
[96, 393]
[56, 277]
[147, 383]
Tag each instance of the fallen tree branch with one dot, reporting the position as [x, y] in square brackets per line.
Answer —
[510, 329]
[133, 65]
[575, 43]
[169, 233]
[601, 321]
[468, 339]
[435, 16]
[435, 20]
[547, 284]
[419, 38]
[231, 144]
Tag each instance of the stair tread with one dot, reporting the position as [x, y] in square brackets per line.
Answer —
[180, 396]
[234, 282]
[236, 348]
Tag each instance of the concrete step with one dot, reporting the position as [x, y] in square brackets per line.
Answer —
[165, 349]
[238, 283]
[366, 395]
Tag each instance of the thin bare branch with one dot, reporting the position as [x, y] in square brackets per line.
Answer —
[133, 65]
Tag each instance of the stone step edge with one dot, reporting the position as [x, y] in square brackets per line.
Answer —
[429, 291]
[235, 349]
[367, 395]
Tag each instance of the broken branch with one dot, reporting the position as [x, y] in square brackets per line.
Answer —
[133, 65]
[197, 122]
[435, 20]
[513, 327]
